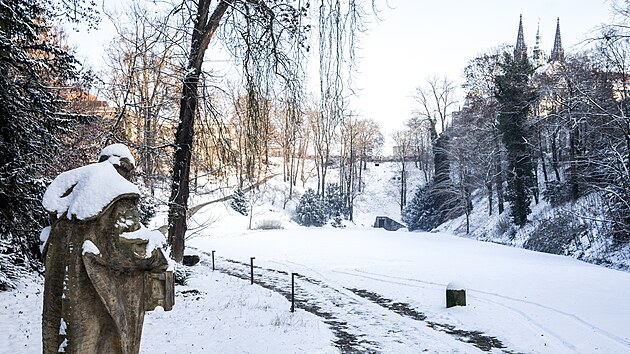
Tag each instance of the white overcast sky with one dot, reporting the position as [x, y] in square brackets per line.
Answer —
[419, 38]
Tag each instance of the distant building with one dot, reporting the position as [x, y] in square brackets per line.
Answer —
[387, 223]
[538, 57]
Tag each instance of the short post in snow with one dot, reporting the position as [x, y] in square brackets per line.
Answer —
[455, 295]
[251, 263]
[213, 260]
[293, 291]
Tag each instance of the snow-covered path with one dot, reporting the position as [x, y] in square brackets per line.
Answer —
[359, 321]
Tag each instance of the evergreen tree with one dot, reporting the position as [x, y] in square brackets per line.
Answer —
[310, 210]
[32, 120]
[239, 202]
[335, 206]
[515, 99]
[422, 212]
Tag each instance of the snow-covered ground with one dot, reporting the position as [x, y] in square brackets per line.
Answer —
[360, 289]
[215, 313]
[531, 302]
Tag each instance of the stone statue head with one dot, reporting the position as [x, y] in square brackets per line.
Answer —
[119, 156]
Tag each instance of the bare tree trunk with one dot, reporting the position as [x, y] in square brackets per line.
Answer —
[205, 27]
[555, 156]
[573, 165]
[181, 169]
[403, 187]
[542, 155]
[498, 177]
[489, 189]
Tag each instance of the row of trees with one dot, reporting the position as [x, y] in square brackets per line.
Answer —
[562, 129]
[239, 126]
[160, 97]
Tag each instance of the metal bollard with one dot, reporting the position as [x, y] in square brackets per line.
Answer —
[293, 291]
[213, 260]
[251, 261]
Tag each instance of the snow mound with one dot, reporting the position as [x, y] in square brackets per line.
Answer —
[455, 286]
[115, 152]
[84, 192]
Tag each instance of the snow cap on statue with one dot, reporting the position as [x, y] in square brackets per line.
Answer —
[114, 153]
[86, 191]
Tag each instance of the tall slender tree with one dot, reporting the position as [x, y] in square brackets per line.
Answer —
[515, 98]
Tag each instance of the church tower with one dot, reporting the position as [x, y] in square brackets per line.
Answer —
[538, 55]
[557, 53]
[520, 50]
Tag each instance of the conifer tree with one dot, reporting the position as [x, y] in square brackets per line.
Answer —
[422, 212]
[335, 206]
[33, 73]
[515, 99]
[311, 210]
[239, 202]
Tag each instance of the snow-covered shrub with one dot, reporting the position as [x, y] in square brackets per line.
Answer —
[556, 193]
[421, 213]
[504, 226]
[147, 208]
[616, 199]
[310, 210]
[181, 275]
[337, 222]
[335, 206]
[269, 224]
[10, 269]
[239, 202]
[554, 234]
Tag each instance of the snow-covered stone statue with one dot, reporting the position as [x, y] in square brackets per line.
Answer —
[104, 269]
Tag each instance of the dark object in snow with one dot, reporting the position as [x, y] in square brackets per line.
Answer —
[251, 262]
[455, 295]
[190, 260]
[103, 268]
[387, 223]
[190, 292]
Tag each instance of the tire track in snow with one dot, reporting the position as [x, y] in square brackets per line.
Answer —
[477, 338]
[348, 338]
[530, 320]
[602, 332]
[351, 313]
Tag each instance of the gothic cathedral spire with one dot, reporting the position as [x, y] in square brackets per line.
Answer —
[520, 51]
[538, 55]
[557, 53]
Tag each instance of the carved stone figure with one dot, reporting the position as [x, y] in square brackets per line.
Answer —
[103, 268]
